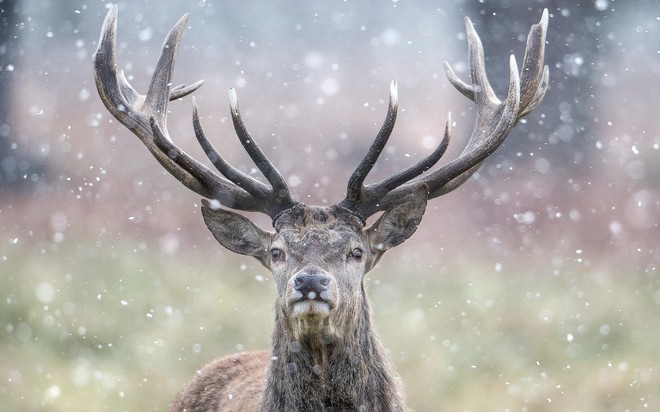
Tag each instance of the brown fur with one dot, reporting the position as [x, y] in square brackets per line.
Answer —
[240, 379]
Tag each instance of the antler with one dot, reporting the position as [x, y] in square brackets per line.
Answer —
[493, 122]
[146, 117]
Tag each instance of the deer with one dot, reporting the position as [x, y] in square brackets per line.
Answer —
[325, 354]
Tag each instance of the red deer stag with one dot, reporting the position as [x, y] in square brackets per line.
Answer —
[325, 353]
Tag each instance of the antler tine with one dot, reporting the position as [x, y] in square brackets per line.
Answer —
[354, 192]
[281, 193]
[158, 93]
[532, 68]
[109, 85]
[392, 182]
[494, 121]
[241, 179]
[182, 90]
[483, 92]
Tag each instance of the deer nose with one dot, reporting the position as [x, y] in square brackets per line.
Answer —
[311, 285]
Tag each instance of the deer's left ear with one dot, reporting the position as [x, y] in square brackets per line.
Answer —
[398, 223]
[237, 233]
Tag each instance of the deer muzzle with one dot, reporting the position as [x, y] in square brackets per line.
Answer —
[312, 292]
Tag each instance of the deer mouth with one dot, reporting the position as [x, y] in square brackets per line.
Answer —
[311, 308]
[312, 304]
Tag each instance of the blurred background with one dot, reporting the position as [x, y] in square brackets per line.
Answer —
[533, 287]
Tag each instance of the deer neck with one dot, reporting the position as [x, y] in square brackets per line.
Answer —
[345, 371]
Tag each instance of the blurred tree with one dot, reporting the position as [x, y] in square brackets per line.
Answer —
[17, 169]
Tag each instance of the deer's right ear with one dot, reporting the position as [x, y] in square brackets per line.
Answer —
[237, 233]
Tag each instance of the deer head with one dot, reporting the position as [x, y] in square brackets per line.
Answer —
[319, 255]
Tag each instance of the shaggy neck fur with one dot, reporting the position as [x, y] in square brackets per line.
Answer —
[323, 371]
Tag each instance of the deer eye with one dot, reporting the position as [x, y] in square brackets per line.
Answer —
[356, 254]
[276, 255]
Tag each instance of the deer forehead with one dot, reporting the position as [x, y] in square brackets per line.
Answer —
[320, 240]
[305, 229]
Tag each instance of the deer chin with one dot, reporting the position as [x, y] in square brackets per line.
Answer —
[312, 320]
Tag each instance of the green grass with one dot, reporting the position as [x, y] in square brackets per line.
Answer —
[87, 328]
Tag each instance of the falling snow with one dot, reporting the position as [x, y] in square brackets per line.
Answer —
[539, 272]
